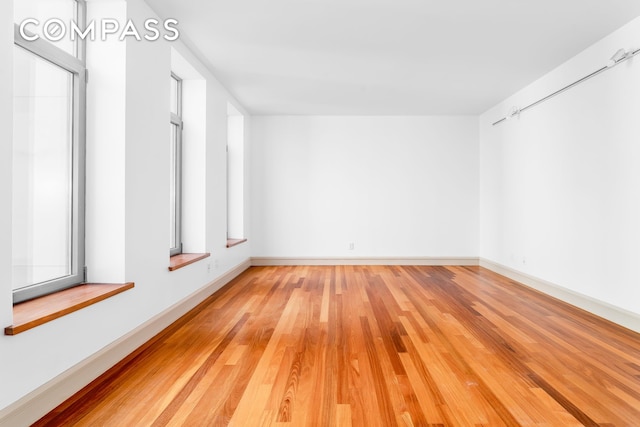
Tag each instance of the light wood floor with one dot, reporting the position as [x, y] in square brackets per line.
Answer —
[372, 346]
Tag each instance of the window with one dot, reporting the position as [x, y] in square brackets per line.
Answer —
[188, 167]
[235, 176]
[44, 10]
[175, 167]
[48, 157]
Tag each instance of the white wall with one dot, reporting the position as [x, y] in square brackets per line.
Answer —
[560, 186]
[106, 145]
[394, 186]
[129, 100]
[6, 126]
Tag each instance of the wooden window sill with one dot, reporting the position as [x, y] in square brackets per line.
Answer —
[179, 261]
[29, 314]
[234, 242]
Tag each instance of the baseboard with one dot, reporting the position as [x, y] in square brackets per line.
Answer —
[39, 402]
[602, 309]
[276, 261]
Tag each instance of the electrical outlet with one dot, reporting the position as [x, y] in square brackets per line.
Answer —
[208, 267]
[352, 246]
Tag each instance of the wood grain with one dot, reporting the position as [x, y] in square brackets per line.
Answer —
[182, 260]
[38, 311]
[234, 242]
[372, 346]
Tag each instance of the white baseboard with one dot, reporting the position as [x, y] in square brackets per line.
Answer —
[607, 311]
[276, 261]
[39, 402]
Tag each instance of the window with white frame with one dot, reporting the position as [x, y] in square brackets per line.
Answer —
[175, 167]
[48, 155]
[235, 174]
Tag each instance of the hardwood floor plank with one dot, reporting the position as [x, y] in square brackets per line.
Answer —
[369, 346]
[577, 413]
[343, 416]
[387, 415]
[431, 412]
[186, 391]
[292, 368]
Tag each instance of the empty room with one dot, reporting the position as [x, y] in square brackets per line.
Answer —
[320, 213]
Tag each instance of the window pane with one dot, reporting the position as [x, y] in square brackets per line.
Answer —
[42, 170]
[175, 96]
[173, 199]
[43, 11]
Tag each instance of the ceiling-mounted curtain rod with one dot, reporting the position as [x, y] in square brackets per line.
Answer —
[619, 57]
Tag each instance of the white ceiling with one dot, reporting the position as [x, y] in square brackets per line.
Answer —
[408, 57]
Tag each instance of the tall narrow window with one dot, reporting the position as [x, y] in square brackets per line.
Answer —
[175, 167]
[48, 159]
[235, 176]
